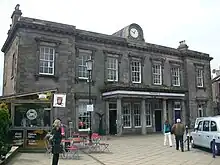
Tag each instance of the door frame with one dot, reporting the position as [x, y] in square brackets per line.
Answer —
[114, 109]
[155, 119]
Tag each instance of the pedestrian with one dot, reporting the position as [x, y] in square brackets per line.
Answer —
[178, 129]
[167, 133]
[56, 141]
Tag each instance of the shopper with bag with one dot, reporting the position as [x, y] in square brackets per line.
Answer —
[167, 133]
[56, 139]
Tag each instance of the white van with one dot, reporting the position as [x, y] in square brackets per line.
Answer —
[207, 129]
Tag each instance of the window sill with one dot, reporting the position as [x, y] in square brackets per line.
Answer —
[85, 80]
[148, 126]
[137, 126]
[126, 127]
[46, 76]
[201, 88]
[157, 84]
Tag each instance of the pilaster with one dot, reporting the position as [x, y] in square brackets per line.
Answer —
[143, 117]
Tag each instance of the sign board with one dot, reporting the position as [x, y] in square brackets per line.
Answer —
[89, 108]
[59, 100]
[31, 114]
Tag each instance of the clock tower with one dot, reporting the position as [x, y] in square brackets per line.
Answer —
[132, 32]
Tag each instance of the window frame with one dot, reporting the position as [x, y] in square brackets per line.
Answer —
[83, 102]
[112, 69]
[200, 77]
[157, 74]
[127, 115]
[137, 115]
[173, 76]
[200, 122]
[211, 126]
[80, 61]
[148, 114]
[135, 71]
[48, 61]
[204, 127]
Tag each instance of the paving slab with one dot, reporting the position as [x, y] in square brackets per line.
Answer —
[129, 150]
[149, 150]
[42, 159]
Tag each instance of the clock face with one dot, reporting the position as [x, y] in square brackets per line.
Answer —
[134, 32]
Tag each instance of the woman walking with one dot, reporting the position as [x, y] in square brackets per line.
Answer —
[56, 141]
[167, 133]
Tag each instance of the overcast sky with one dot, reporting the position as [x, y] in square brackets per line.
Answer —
[164, 22]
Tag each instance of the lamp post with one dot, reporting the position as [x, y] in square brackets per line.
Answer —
[89, 69]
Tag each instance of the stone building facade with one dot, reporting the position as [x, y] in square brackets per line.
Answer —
[136, 85]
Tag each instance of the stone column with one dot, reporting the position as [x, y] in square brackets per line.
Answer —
[183, 112]
[107, 116]
[119, 117]
[164, 110]
[143, 117]
[170, 111]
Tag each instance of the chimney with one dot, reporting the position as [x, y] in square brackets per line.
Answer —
[182, 45]
[16, 15]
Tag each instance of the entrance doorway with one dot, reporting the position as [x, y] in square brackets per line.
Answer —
[158, 122]
[112, 122]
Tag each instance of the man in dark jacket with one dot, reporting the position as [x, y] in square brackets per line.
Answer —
[178, 129]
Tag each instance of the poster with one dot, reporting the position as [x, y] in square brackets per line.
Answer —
[18, 138]
[59, 100]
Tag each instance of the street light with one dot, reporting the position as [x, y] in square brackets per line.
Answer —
[89, 64]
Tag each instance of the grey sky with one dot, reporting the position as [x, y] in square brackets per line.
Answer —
[163, 22]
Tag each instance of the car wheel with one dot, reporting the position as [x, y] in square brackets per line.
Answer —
[192, 143]
[216, 149]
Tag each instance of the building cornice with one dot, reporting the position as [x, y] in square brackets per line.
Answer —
[30, 23]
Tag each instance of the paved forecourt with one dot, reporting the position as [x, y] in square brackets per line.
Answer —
[149, 150]
[130, 150]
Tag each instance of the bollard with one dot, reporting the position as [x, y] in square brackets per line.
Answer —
[188, 142]
[213, 148]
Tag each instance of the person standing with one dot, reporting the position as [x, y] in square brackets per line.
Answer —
[56, 141]
[167, 133]
[178, 129]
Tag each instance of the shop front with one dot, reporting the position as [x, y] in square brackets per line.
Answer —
[135, 112]
[31, 118]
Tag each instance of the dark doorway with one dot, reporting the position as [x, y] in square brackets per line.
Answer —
[158, 122]
[177, 115]
[112, 122]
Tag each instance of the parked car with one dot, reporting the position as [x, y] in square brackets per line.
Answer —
[207, 129]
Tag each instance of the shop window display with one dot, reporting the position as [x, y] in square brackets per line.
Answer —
[32, 115]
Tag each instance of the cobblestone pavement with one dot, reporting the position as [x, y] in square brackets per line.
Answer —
[130, 150]
[149, 150]
[42, 159]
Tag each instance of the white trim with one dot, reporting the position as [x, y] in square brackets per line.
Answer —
[142, 93]
[127, 127]
[81, 130]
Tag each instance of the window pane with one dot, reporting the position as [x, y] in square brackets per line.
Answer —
[148, 114]
[112, 69]
[213, 126]
[206, 126]
[136, 71]
[137, 115]
[32, 115]
[157, 77]
[200, 126]
[84, 116]
[46, 64]
[127, 115]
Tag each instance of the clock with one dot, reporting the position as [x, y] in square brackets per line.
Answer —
[134, 33]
